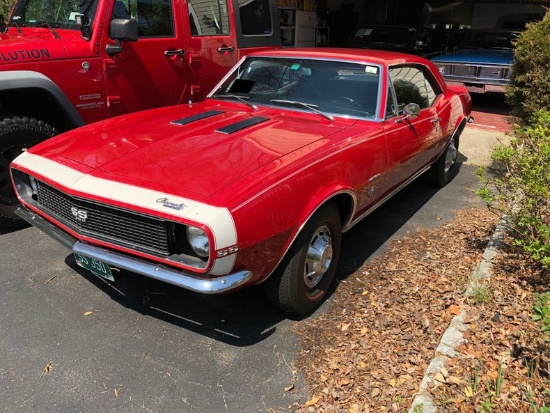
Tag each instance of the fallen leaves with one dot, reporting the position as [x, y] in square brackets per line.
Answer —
[47, 368]
[387, 318]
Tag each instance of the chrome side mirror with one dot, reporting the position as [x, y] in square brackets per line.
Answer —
[410, 111]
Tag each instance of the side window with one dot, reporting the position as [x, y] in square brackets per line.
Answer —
[391, 107]
[412, 86]
[255, 18]
[209, 17]
[154, 17]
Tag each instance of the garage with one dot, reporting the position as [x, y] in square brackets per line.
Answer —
[306, 23]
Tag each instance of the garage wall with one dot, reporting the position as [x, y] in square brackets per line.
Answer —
[358, 6]
[504, 15]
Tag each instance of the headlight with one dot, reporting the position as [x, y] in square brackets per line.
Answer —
[198, 240]
[441, 69]
[34, 186]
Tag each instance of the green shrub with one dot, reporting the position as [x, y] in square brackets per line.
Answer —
[530, 84]
[541, 311]
[5, 8]
[520, 188]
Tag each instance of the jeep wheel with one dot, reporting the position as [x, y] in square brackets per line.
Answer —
[16, 135]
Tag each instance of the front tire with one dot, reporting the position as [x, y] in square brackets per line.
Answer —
[17, 134]
[304, 276]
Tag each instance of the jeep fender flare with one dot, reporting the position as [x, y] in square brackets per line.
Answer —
[26, 79]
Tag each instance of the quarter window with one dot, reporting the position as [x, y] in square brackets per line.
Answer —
[412, 86]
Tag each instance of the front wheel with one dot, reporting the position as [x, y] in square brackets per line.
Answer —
[443, 170]
[306, 273]
[17, 134]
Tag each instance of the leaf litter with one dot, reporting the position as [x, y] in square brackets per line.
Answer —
[370, 350]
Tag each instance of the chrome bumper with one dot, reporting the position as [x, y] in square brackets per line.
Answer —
[179, 278]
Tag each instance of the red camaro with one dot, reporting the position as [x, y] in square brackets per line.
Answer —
[257, 183]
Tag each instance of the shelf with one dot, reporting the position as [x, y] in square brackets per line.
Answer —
[297, 27]
[322, 36]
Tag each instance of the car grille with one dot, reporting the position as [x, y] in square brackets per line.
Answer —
[499, 74]
[468, 71]
[492, 72]
[104, 222]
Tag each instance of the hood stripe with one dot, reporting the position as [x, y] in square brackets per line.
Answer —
[241, 125]
[218, 219]
[189, 119]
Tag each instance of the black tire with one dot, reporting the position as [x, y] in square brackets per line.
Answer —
[16, 135]
[444, 169]
[299, 285]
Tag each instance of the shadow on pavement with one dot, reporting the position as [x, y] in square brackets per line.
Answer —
[245, 317]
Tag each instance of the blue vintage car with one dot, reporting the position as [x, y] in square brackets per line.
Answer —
[482, 62]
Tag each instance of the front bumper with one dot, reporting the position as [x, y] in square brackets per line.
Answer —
[484, 88]
[114, 259]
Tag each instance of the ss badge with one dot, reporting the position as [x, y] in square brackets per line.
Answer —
[79, 214]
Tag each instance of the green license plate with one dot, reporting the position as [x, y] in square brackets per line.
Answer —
[95, 266]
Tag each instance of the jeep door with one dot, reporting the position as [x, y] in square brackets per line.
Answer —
[152, 71]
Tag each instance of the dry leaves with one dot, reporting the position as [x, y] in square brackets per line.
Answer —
[370, 351]
[47, 368]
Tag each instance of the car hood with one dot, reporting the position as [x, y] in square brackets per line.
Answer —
[174, 147]
[35, 44]
[488, 56]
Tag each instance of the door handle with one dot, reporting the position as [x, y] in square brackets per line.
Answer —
[178, 52]
[436, 120]
[224, 49]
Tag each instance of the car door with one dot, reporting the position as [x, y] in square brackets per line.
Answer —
[212, 47]
[152, 71]
[411, 140]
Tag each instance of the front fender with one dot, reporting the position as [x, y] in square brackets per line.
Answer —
[26, 79]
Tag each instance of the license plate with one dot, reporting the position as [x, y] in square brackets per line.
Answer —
[95, 266]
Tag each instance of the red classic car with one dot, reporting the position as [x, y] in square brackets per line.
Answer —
[257, 183]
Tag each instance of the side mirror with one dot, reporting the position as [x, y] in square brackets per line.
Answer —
[121, 30]
[410, 111]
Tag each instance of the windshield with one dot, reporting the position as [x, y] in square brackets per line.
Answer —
[488, 40]
[65, 14]
[330, 87]
[386, 34]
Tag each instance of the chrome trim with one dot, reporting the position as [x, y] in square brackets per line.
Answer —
[375, 177]
[371, 209]
[178, 278]
[159, 272]
[50, 229]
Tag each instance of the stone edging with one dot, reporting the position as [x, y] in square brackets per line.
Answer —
[454, 335]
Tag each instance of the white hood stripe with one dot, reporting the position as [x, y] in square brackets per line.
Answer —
[218, 219]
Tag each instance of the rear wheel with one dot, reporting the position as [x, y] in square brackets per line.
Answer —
[17, 134]
[305, 275]
[443, 170]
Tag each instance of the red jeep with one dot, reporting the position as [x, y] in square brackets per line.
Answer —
[64, 63]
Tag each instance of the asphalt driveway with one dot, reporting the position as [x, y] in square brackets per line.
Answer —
[71, 342]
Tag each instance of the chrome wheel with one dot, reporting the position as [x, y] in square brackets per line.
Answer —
[450, 156]
[305, 275]
[318, 258]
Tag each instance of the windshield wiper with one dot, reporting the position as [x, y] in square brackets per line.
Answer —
[242, 99]
[17, 27]
[313, 108]
[49, 26]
